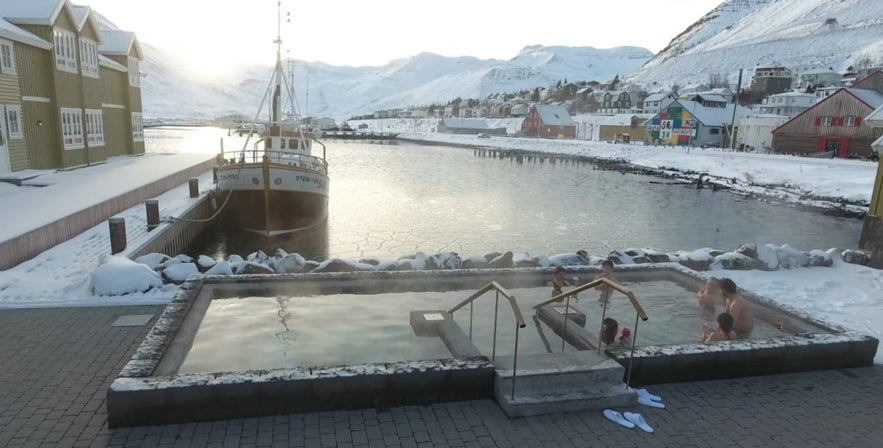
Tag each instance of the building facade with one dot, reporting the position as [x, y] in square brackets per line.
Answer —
[835, 123]
[789, 104]
[546, 121]
[73, 105]
[771, 80]
[689, 123]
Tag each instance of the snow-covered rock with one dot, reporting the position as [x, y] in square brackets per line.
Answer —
[475, 262]
[502, 261]
[289, 264]
[568, 259]
[251, 268]
[697, 260]
[118, 275]
[733, 260]
[152, 260]
[220, 268]
[204, 262]
[449, 260]
[856, 257]
[179, 272]
[820, 258]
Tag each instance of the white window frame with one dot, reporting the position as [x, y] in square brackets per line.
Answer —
[72, 128]
[65, 50]
[89, 57]
[13, 122]
[827, 121]
[137, 127]
[134, 72]
[849, 121]
[95, 127]
[7, 57]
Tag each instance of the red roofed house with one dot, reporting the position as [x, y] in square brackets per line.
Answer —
[834, 123]
[548, 122]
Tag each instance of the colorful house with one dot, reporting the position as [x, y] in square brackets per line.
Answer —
[689, 123]
[834, 123]
[65, 104]
[547, 121]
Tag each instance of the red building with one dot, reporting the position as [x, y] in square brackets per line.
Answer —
[548, 122]
[834, 123]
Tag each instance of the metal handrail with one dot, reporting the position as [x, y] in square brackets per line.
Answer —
[519, 320]
[494, 285]
[594, 283]
[639, 313]
[318, 164]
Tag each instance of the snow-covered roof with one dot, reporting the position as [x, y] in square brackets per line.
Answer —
[624, 119]
[32, 12]
[713, 116]
[711, 97]
[118, 43]
[105, 61]
[554, 115]
[778, 95]
[875, 119]
[870, 97]
[658, 96]
[14, 33]
[465, 123]
[819, 72]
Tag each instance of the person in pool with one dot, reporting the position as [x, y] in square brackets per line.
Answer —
[606, 272]
[739, 308]
[724, 329]
[558, 282]
[711, 295]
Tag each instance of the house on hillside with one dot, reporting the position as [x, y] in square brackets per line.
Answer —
[819, 78]
[689, 123]
[707, 99]
[657, 101]
[771, 80]
[548, 122]
[616, 102]
[472, 126]
[70, 94]
[789, 104]
[834, 123]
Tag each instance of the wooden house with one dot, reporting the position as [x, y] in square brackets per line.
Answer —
[65, 104]
[834, 123]
[689, 123]
[548, 121]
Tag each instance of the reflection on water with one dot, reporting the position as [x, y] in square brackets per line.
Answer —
[394, 200]
[343, 329]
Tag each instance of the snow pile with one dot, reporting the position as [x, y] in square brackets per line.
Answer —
[117, 275]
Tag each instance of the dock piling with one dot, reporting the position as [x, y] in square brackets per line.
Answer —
[117, 227]
[152, 207]
[194, 187]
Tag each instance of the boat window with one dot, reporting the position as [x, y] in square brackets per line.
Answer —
[292, 144]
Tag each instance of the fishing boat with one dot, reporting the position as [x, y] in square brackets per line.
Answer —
[278, 184]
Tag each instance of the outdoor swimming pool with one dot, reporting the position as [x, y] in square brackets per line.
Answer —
[259, 345]
[259, 333]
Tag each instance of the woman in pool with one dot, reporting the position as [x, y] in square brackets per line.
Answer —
[724, 329]
[606, 272]
[710, 296]
[558, 282]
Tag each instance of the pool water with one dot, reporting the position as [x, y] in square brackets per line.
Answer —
[255, 333]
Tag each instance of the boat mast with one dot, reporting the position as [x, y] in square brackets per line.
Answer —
[277, 92]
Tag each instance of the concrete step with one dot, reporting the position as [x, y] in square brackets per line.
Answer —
[561, 382]
[595, 398]
[558, 371]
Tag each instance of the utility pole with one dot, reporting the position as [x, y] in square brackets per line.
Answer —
[735, 107]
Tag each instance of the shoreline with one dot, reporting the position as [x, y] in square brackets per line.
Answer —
[771, 193]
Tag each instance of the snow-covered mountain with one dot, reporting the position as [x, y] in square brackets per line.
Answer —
[341, 92]
[744, 34]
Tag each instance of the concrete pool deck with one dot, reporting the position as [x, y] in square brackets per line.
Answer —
[59, 362]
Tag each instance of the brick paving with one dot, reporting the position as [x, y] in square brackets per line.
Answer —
[56, 364]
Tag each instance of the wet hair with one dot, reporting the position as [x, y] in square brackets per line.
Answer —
[725, 322]
[607, 264]
[609, 329]
[728, 286]
[559, 269]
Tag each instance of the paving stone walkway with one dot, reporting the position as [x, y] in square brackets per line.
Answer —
[56, 364]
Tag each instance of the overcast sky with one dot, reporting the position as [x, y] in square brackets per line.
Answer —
[217, 33]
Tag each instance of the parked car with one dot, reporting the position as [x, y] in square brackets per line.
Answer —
[483, 135]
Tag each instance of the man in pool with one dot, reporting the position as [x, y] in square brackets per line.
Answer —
[724, 329]
[739, 308]
[606, 272]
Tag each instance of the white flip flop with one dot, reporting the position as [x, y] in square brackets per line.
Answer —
[618, 418]
[638, 421]
[646, 401]
[646, 393]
